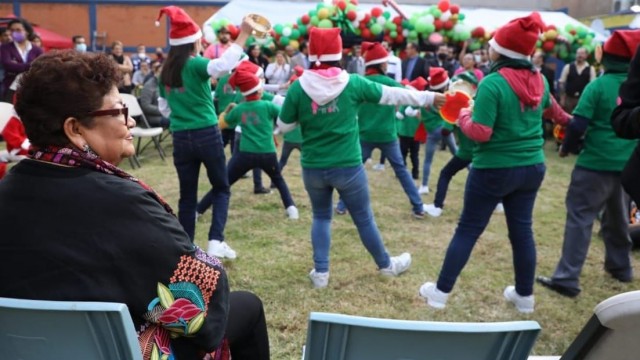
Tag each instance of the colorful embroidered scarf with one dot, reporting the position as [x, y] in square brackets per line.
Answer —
[72, 156]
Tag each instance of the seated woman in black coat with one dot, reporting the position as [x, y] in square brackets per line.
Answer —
[78, 228]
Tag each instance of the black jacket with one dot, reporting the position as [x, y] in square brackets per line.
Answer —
[625, 121]
[447, 65]
[420, 69]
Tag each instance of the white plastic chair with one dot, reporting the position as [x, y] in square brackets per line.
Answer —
[6, 112]
[37, 329]
[144, 131]
[345, 337]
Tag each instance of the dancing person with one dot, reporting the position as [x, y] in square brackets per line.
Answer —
[185, 98]
[110, 237]
[596, 178]
[324, 103]
[507, 164]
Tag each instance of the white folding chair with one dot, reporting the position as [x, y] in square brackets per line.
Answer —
[144, 131]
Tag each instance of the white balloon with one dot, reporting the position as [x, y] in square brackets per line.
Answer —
[355, 23]
[429, 19]
[445, 15]
[405, 32]
[361, 15]
[286, 32]
[381, 20]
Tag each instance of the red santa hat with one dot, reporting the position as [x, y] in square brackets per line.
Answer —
[297, 72]
[623, 43]
[248, 66]
[438, 78]
[374, 53]
[405, 82]
[325, 45]
[517, 39]
[419, 83]
[247, 81]
[183, 29]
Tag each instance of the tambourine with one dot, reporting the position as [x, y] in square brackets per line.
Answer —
[454, 103]
[558, 133]
[260, 24]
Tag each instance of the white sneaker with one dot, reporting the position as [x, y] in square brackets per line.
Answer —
[399, 264]
[423, 190]
[499, 209]
[378, 167]
[220, 249]
[432, 210]
[524, 304]
[434, 297]
[292, 212]
[319, 280]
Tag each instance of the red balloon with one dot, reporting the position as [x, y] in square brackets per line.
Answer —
[478, 32]
[305, 19]
[233, 31]
[354, 2]
[366, 19]
[573, 32]
[342, 5]
[548, 45]
[455, 9]
[397, 20]
[352, 15]
[551, 27]
[366, 34]
[448, 25]
[387, 39]
[399, 39]
[438, 24]
[376, 12]
[443, 5]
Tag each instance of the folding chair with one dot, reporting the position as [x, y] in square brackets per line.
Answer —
[145, 130]
[37, 329]
[345, 337]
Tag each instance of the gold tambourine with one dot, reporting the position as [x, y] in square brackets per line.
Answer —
[261, 26]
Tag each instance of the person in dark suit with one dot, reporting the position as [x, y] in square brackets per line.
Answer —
[538, 61]
[413, 66]
[16, 56]
[441, 60]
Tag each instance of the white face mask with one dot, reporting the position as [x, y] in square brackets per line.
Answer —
[142, 55]
[477, 58]
[81, 48]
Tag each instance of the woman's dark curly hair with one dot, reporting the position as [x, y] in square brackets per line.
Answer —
[59, 85]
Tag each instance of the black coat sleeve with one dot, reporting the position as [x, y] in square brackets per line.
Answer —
[625, 119]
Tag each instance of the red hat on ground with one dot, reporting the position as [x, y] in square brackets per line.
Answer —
[517, 39]
[246, 81]
[325, 45]
[374, 53]
[183, 29]
[438, 78]
[419, 83]
[246, 65]
[623, 43]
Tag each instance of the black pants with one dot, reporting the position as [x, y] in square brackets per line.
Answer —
[228, 137]
[247, 327]
[257, 173]
[630, 173]
[412, 147]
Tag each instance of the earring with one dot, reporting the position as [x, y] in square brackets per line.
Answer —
[86, 148]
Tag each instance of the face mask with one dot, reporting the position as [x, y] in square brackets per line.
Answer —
[18, 36]
[81, 48]
[477, 58]
[442, 56]
[142, 55]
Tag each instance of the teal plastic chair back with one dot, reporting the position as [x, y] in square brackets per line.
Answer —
[345, 337]
[37, 330]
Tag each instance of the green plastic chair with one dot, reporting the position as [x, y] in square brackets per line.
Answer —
[37, 330]
[345, 337]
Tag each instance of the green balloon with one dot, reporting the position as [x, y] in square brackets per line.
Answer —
[421, 26]
[582, 33]
[358, 32]
[295, 33]
[430, 28]
[278, 29]
[465, 35]
[391, 26]
[461, 17]
[224, 22]
[313, 13]
[376, 29]
[570, 38]
[325, 24]
[393, 34]
[539, 43]
[413, 34]
[568, 27]
[387, 15]
[475, 46]
[303, 30]
[216, 26]
[436, 13]
[319, 6]
[284, 41]
[315, 20]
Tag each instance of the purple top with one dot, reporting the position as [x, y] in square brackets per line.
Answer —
[12, 62]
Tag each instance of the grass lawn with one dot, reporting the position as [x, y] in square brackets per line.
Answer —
[274, 256]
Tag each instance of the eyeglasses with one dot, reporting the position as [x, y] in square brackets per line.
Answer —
[124, 110]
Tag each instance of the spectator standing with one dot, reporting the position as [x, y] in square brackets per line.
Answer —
[124, 66]
[442, 60]
[413, 66]
[17, 56]
[256, 56]
[355, 64]
[140, 57]
[574, 78]
[278, 72]
[469, 64]
[394, 64]
[215, 51]
[298, 57]
[79, 43]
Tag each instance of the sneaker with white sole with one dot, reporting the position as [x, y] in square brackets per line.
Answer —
[399, 264]
[378, 167]
[423, 190]
[435, 298]
[292, 212]
[221, 250]
[499, 209]
[319, 280]
[524, 304]
[432, 210]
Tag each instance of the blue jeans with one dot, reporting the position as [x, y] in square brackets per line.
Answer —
[433, 141]
[287, 148]
[517, 189]
[448, 171]
[351, 183]
[391, 151]
[257, 173]
[192, 148]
